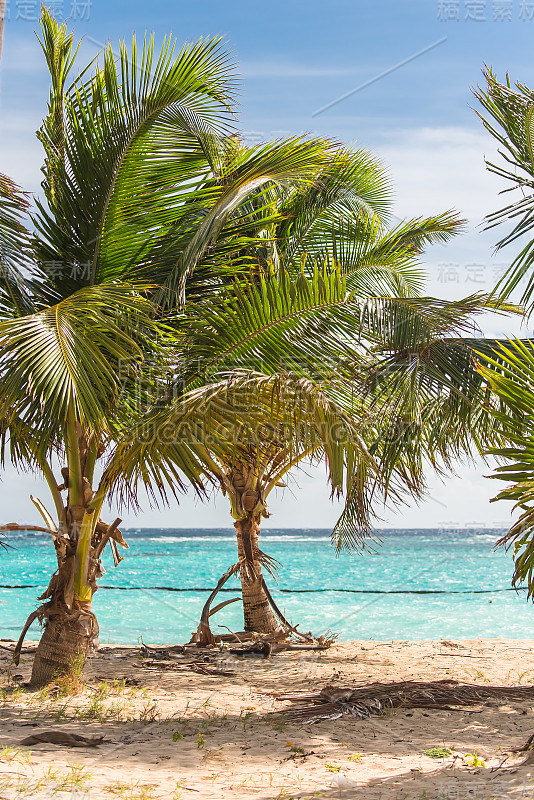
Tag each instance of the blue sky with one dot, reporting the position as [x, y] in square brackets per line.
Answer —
[293, 58]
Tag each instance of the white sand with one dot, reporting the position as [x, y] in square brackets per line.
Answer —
[226, 748]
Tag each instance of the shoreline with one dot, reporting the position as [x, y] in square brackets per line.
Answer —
[217, 728]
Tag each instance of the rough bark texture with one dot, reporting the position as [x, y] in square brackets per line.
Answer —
[65, 641]
[256, 608]
[70, 627]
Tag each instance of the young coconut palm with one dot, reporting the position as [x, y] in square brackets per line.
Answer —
[329, 280]
[376, 269]
[131, 200]
[509, 367]
[510, 373]
[330, 299]
[297, 362]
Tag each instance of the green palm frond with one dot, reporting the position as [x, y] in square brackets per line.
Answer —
[378, 261]
[15, 250]
[428, 404]
[273, 323]
[290, 162]
[271, 418]
[509, 112]
[353, 183]
[135, 139]
[509, 370]
[75, 352]
[426, 369]
[57, 45]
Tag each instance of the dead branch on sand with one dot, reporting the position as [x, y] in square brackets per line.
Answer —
[374, 698]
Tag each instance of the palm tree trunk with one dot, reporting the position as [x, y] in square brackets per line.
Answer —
[256, 607]
[70, 625]
[65, 643]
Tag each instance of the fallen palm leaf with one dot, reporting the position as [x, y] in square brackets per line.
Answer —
[364, 701]
[63, 738]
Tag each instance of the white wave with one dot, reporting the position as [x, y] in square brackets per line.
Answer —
[264, 537]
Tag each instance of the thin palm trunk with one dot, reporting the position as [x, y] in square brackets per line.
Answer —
[257, 611]
[70, 625]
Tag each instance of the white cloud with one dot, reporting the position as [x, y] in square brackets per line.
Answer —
[434, 169]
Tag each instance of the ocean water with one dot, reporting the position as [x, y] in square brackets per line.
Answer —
[417, 584]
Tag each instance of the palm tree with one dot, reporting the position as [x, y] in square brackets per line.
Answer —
[510, 372]
[332, 299]
[378, 269]
[369, 264]
[333, 229]
[138, 205]
[303, 368]
[509, 367]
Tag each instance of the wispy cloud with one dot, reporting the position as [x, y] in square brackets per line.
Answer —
[437, 168]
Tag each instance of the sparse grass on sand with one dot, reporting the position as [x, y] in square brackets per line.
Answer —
[171, 733]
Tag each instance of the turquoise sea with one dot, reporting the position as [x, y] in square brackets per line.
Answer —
[417, 584]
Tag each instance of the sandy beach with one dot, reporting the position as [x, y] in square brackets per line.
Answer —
[209, 727]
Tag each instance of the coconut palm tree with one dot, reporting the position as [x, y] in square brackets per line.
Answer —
[333, 221]
[508, 114]
[141, 206]
[331, 299]
[325, 372]
[509, 370]
[379, 271]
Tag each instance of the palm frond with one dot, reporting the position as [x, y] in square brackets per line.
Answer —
[77, 351]
[353, 183]
[243, 415]
[15, 251]
[292, 162]
[377, 261]
[428, 404]
[509, 112]
[135, 141]
[509, 370]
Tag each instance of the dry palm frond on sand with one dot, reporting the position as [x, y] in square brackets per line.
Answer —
[369, 699]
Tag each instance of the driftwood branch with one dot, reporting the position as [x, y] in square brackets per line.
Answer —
[281, 617]
[17, 651]
[204, 636]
